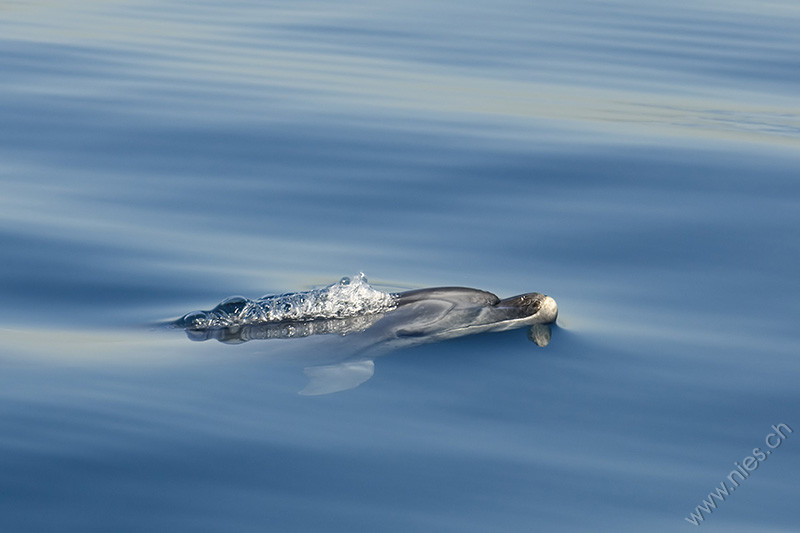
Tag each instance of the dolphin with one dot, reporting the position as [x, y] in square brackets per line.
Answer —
[414, 317]
[447, 312]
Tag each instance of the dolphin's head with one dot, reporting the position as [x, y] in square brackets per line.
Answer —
[533, 308]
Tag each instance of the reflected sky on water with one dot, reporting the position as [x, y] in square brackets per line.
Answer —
[636, 161]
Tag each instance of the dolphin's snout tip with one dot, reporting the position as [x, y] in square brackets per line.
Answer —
[548, 311]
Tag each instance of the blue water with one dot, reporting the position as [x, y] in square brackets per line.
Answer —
[637, 161]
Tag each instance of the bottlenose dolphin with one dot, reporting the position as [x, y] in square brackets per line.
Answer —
[378, 325]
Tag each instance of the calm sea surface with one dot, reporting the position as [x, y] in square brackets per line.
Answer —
[639, 161]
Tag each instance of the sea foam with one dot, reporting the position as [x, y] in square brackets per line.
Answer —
[345, 299]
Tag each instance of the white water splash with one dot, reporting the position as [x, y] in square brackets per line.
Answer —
[347, 298]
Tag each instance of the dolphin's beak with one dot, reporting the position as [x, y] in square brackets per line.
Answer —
[548, 311]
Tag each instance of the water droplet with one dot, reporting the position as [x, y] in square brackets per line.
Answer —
[193, 320]
[231, 306]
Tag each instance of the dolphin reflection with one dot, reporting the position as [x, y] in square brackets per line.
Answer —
[403, 320]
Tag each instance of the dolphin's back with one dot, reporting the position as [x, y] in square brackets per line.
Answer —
[458, 296]
[425, 312]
